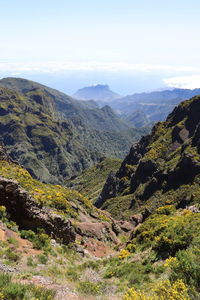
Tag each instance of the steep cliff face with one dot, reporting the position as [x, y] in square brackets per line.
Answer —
[164, 167]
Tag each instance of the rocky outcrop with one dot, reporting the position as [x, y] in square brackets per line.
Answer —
[184, 173]
[3, 154]
[24, 210]
[109, 190]
[100, 231]
[135, 154]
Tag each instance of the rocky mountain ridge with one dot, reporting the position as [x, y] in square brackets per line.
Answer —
[162, 168]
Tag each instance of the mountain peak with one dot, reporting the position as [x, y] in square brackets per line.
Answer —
[98, 92]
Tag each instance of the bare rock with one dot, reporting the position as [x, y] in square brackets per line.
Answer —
[101, 231]
[137, 219]
[193, 208]
[28, 214]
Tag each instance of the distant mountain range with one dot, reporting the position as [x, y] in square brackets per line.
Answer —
[139, 109]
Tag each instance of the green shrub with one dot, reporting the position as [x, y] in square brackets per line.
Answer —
[91, 264]
[41, 293]
[187, 267]
[3, 214]
[11, 255]
[13, 241]
[165, 290]
[166, 210]
[30, 262]
[4, 279]
[72, 274]
[4, 218]
[14, 291]
[91, 288]
[167, 234]
[43, 259]
[41, 241]
[126, 270]
[27, 234]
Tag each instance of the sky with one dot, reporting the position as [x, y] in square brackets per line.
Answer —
[131, 45]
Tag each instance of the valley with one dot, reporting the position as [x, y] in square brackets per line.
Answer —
[93, 208]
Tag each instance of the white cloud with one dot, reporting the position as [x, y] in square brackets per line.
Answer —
[54, 66]
[15, 74]
[186, 82]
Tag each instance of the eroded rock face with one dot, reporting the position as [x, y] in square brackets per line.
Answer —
[184, 173]
[3, 154]
[109, 190]
[27, 213]
[134, 156]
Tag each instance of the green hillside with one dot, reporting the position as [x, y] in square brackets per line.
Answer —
[46, 132]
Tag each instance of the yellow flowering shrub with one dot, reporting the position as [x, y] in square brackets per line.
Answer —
[164, 291]
[170, 261]
[171, 291]
[132, 294]
[165, 210]
[167, 234]
[1, 295]
[123, 254]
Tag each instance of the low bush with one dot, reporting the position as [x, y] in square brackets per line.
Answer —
[11, 255]
[40, 240]
[43, 259]
[187, 267]
[167, 234]
[91, 288]
[16, 291]
[164, 291]
[72, 274]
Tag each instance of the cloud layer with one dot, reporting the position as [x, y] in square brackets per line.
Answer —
[53, 66]
[187, 82]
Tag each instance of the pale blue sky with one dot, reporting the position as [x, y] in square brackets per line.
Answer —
[127, 35]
